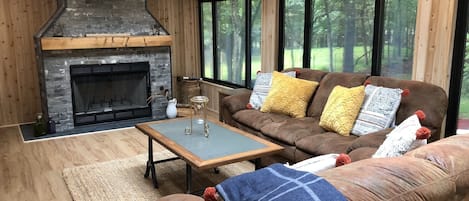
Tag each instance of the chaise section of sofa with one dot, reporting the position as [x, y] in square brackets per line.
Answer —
[438, 171]
[304, 138]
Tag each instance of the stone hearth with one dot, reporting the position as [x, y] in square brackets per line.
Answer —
[112, 27]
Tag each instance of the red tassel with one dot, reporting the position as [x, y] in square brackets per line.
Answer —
[421, 115]
[405, 92]
[367, 82]
[297, 72]
[423, 133]
[249, 106]
[209, 194]
[343, 159]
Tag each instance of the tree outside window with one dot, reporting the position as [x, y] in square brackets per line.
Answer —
[233, 29]
[341, 35]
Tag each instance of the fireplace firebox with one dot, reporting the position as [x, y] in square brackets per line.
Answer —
[109, 92]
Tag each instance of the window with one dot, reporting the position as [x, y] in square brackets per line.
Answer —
[294, 33]
[232, 28]
[346, 36]
[207, 43]
[399, 31]
[457, 120]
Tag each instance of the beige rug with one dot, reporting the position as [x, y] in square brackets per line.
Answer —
[123, 179]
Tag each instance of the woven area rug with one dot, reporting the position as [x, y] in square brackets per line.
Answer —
[123, 179]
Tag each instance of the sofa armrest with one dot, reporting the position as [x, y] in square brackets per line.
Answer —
[232, 104]
[236, 102]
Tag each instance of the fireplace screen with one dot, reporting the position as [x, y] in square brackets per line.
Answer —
[110, 92]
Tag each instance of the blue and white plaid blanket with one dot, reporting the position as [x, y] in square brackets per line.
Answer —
[278, 183]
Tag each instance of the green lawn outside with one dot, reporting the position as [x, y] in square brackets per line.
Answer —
[319, 61]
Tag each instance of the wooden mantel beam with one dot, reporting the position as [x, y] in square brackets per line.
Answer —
[96, 42]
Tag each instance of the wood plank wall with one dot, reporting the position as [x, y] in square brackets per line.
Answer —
[19, 90]
[433, 50]
[270, 36]
[19, 20]
[180, 19]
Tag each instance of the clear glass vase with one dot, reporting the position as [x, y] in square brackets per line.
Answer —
[199, 114]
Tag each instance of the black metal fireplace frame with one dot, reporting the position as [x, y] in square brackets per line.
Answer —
[109, 70]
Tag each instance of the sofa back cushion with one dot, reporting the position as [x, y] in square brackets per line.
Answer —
[327, 83]
[429, 98]
[308, 74]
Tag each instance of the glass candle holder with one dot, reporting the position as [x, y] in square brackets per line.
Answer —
[199, 113]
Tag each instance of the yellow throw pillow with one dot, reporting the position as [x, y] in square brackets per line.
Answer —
[342, 108]
[288, 95]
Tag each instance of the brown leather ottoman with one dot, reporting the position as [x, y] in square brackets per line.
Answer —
[181, 197]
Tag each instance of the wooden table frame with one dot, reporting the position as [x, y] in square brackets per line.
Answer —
[193, 161]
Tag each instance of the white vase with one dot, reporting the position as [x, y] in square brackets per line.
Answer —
[171, 111]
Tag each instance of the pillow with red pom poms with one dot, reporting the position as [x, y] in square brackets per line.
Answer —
[322, 162]
[405, 137]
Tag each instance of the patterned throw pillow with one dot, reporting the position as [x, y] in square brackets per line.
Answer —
[341, 109]
[288, 95]
[378, 110]
[316, 164]
[401, 139]
[262, 87]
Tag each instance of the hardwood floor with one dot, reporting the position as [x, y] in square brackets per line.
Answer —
[33, 171]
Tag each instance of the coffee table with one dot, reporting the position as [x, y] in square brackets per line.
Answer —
[225, 145]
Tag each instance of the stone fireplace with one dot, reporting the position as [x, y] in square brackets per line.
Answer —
[100, 60]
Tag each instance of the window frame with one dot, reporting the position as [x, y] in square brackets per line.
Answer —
[457, 69]
[248, 46]
[378, 33]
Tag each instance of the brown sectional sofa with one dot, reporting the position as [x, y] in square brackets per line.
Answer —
[304, 138]
[438, 171]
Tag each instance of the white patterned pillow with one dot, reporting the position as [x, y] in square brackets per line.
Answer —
[400, 140]
[316, 164]
[378, 109]
[262, 88]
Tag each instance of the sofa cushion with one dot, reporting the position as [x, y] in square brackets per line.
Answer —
[362, 153]
[292, 129]
[342, 108]
[325, 143]
[371, 140]
[449, 153]
[262, 87]
[308, 74]
[398, 178]
[435, 109]
[378, 110]
[181, 197]
[256, 119]
[328, 82]
[288, 95]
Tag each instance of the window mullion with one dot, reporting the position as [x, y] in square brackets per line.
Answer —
[378, 30]
[457, 69]
[247, 41]
[307, 36]
[281, 36]
[214, 42]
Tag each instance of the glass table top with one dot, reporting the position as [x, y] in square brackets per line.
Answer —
[221, 142]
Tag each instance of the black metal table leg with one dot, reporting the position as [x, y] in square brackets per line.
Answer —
[257, 163]
[150, 164]
[188, 179]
